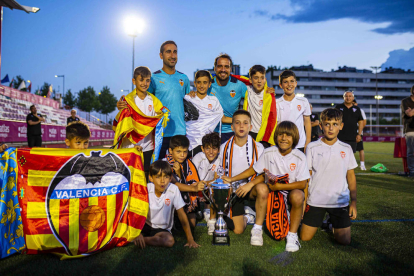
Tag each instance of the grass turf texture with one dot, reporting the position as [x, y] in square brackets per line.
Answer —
[376, 248]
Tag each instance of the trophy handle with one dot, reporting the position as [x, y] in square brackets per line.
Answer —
[212, 204]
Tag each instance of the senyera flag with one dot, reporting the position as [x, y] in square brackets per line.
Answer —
[76, 203]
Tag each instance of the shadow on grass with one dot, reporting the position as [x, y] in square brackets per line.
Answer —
[388, 182]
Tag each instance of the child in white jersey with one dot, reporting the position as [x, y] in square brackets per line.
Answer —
[293, 108]
[207, 162]
[145, 102]
[164, 197]
[205, 115]
[333, 182]
[285, 159]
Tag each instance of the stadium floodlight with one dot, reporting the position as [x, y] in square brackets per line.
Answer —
[123, 90]
[332, 104]
[62, 76]
[133, 27]
[378, 97]
[300, 95]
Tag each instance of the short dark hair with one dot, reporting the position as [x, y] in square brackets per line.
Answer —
[166, 43]
[412, 89]
[241, 112]
[142, 71]
[77, 129]
[224, 55]
[179, 141]
[286, 74]
[354, 101]
[255, 69]
[202, 73]
[288, 128]
[211, 139]
[331, 114]
[32, 106]
[160, 166]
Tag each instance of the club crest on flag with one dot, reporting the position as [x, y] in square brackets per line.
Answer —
[232, 93]
[181, 82]
[299, 107]
[343, 154]
[292, 167]
[81, 191]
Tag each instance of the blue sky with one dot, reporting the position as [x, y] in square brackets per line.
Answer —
[86, 41]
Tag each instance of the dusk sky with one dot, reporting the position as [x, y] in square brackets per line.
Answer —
[86, 40]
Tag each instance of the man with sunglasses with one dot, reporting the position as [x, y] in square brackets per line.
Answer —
[352, 121]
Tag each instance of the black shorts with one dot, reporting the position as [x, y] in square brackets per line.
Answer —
[147, 159]
[164, 147]
[360, 146]
[353, 144]
[301, 149]
[264, 143]
[34, 141]
[339, 216]
[148, 231]
[238, 205]
[194, 151]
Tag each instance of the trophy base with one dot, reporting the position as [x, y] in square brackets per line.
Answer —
[220, 240]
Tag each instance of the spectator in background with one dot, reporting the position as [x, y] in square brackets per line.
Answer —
[315, 125]
[407, 108]
[34, 129]
[73, 117]
[360, 145]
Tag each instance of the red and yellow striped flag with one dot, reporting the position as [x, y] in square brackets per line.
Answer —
[76, 203]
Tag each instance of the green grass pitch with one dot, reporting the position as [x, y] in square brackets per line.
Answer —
[377, 248]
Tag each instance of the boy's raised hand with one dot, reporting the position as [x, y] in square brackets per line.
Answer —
[192, 244]
[270, 90]
[192, 94]
[353, 210]
[199, 186]
[3, 147]
[139, 241]
[226, 179]
[177, 168]
[138, 148]
[121, 104]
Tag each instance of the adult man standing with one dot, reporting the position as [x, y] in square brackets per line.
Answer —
[315, 125]
[169, 86]
[360, 144]
[352, 120]
[34, 129]
[407, 108]
[73, 117]
[228, 90]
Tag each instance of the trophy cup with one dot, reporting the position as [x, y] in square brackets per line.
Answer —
[219, 198]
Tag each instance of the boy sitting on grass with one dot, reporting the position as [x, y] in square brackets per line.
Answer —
[77, 135]
[164, 197]
[331, 163]
[185, 175]
[279, 160]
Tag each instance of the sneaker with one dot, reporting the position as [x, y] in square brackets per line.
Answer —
[250, 215]
[292, 243]
[211, 226]
[206, 214]
[257, 237]
[362, 167]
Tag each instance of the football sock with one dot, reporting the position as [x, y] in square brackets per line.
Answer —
[258, 227]
[290, 233]
[362, 163]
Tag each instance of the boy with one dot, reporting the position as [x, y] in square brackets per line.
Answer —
[279, 160]
[144, 103]
[185, 175]
[163, 198]
[208, 161]
[238, 154]
[331, 163]
[77, 135]
[259, 104]
[294, 109]
[207, 109]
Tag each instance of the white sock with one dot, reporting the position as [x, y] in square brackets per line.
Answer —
[290, 233]
[362, 163]
[212, 220]
[258, 227]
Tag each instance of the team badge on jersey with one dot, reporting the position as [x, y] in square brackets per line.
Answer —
[343, 154]
[292, 167]
[261, 102]
[181, 82]
[210, 106]
[167, 201]
[354, 109]
[232, 93]
[299, 107]
[150, 108]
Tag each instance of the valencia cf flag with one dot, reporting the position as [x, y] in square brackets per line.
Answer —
[76, 203]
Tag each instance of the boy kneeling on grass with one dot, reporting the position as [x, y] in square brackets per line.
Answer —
[331, 163]
[279, 160]
[164, 197]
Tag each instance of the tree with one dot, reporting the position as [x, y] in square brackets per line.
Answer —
[107, 101]
[17, 81]
[69, 99]
[45, 89]
[87, 100]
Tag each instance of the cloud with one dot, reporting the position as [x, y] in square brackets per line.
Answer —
[399, 13]
[400, 59]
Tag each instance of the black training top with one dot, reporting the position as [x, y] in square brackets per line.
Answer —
[315, 130]
[34, 130]
[350, 118]
[408, 122]
[70, 120]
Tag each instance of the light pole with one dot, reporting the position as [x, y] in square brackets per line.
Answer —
[62, 76]
[123, 90]
[133, 27]
[376, 94]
